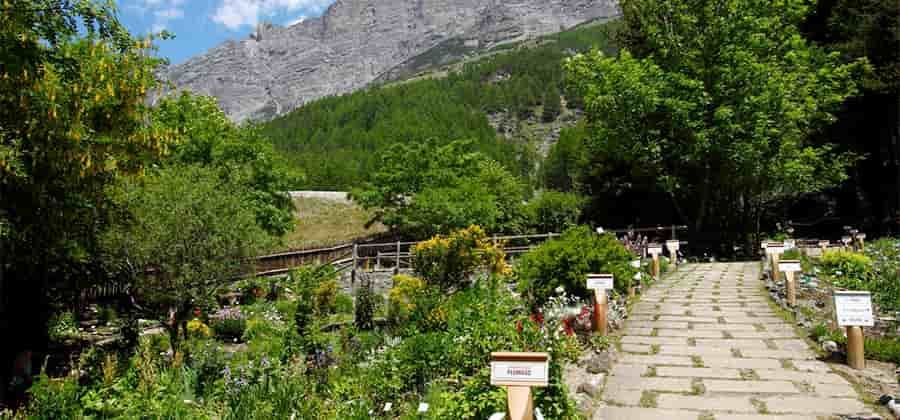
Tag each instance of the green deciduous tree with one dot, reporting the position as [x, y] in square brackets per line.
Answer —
[192, 230]
[73, 117]
[240, 155]
[423, 189]
[716, 103]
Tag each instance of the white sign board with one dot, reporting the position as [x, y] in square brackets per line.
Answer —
[673, 245]
[790, 244]
[860, 236]
[789, 266]
[846, 239]
[824, 244]
[600, 281]
[774, 248]
[762, 245]
[520, 369]
[853, 309]
[654, 249]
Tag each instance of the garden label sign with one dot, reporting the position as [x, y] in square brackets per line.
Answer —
[853, 309]
[519, 369]
[789, 266]
[599, 282]
[673, 247]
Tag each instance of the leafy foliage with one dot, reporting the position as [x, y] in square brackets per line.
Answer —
[566, 262]
[719, 115]
[422, 190]
[449, 262]
[554, 211]
[848, 270]
[241, 156]
[174, 224]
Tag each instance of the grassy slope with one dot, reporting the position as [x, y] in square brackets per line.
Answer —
[323, 222]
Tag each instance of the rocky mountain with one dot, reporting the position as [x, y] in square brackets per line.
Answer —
[355, 42]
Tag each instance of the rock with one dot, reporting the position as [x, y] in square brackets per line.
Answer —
[593, 386]
[356, 42]
[830, 346]
[584, 405]
[599, 363]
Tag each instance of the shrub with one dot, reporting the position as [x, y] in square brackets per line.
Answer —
[106, 314]
[884, 349]
[566, 261]
[197, 329]
[885, 255]
[229, 323]
[54, 398]
[554, 211]
[449, 261]
[325, 295]
[365, 308]
[849, 270]
[403, 297]
[62, 326]
[343, 303]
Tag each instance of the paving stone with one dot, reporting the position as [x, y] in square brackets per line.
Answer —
[813, 405]
[733, 343]
[696, 319]
[810, 377]
[811, 366]
[632, 339]
[658, 324]
[693, 372]
[637, 359]
[689, 402]
[835, 390]
[636, 348]
[725, 327]
[637, 413]
[794, 344]
[763, 417]
[629, 370]
[759, 387]
[689, 333]
[763, 335]
[694, 351]
[622, 396]
[778, 354]
[638, 331]
[650, 384]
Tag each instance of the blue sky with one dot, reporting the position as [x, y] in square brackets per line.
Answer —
[202, 24]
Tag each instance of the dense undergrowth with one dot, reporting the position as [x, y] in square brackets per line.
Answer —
[301, 348]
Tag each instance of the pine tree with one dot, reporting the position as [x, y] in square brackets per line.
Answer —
[552, 104]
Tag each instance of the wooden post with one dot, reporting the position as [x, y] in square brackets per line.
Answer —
[378, 260]
[600, 308]
[518, 372]
[655, 270]
[397, 263]
[353, 269]
[856, 356]
[791, 288]
[519, 403]
[776, 275]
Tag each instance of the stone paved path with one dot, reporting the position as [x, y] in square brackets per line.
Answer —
[704, 344]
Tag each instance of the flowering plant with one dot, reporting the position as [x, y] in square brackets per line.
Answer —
[229, 323]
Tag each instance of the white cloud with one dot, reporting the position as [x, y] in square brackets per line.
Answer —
[236, 13]
[163, 11]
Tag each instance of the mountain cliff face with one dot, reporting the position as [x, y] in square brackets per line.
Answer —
[356, 41]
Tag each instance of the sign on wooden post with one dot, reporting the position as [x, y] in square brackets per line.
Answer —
[824, 245]
[853, 310]
[775, 249]
[519, 372]
[600, 283]
[654, 250]
[673, 247]
[789, 267]
[632, 291]
[846, 240]
[861, 240]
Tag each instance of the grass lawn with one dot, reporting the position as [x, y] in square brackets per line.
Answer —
[323, 222]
